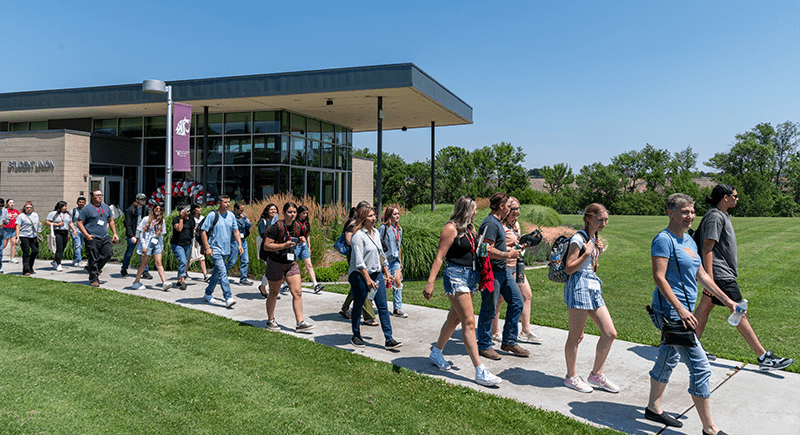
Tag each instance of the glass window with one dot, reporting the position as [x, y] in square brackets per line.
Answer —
[18, 126]
[327, 155]
[314, 129]
[312, 184]
[267, 149]
[214, 179]
[269, 180]
[298, 181]
[285, 151]
[237, 183]
[348, 190]
[298, 125]
[327, 188]
[153, 179]
[238, 150]
[105, 126]
[341, 135]
[349, 138]
[285, 123]
[39, 125]
[155, 126]
[237, 123]
[214, 124]
[314, 153]
[154, 152]
[266, 122]
[298, 151]
[131, 127]
[327, 133]
[340, 154]
[348, 159]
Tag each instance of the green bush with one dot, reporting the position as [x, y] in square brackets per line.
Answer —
[544, 216]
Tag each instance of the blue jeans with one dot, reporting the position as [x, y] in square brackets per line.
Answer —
[504, 285]
[182, 254]
[397, 293]
[126, 259]
[695, 359]
[360, 292]
[219, 274]
[77, 242]
[2, 237]
[244, 264]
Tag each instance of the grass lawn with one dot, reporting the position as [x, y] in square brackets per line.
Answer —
[75, 359]
[769, 259]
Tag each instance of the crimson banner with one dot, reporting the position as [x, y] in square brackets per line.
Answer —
[181, 131]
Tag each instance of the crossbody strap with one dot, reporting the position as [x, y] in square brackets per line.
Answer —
[674, 251]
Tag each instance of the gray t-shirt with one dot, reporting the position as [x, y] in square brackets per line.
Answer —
[3, 216]
[95, 219]
[28, 224]
[495, 233]
[717, 226]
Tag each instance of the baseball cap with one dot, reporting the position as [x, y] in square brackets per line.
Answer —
[141, 196]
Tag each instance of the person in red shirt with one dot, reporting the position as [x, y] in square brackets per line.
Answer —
[10, 230]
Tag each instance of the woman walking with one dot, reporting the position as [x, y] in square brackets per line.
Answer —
[583, 297]
[150, 234]
[28, 228]
[303, 249]
[61, 224]
[10, 231]
[197, 252]
[676, 271]
[281, 265]
[181, 243]
[458, 245]
[391, 238]
[268, 217]
[365, 277]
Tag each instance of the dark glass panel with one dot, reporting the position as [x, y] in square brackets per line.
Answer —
[237, 183]
[154, 152]
[327, 155]
[268, 180]
[298, 152]
[40, 125]
[105, 126]
[237, 123]
[327, 188]
[285, 117]
[267, 149]
[314, 153]
[214, 150]
[298, 181]
[328, 133]
[214, 124]
[267, 122]
[155, 126]
[298, 125]
[130, 127]
[313, 129]
[313, 179]
[238, 150]
[341, 135]
[18, 126]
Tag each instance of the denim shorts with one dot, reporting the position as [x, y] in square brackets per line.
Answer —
[301, 252]
[459, 279]
[153, 249]
[394, 265]
[9, 232]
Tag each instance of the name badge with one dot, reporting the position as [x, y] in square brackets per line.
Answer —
[594, 284]
[101, 223]
[290, 257]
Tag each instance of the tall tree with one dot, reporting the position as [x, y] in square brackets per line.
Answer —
[510, 173]
[557, 177]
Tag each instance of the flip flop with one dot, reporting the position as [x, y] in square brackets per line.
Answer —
[263, 295]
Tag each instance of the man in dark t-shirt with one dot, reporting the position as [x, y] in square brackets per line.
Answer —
[504, 284]
[93, 222]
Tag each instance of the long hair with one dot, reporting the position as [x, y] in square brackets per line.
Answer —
[301, 209]
[362, 213]
[497, 200]
[718, 193]
[153, 220]
[265, 212]
[463, 214]
[591, 211]
[505, 219]
[387, 214]
[59, 204]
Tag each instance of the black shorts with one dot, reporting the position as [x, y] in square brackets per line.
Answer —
[730, 288]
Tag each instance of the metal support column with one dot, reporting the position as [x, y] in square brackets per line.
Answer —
[379, 179]
[433, 159]
[205, 155]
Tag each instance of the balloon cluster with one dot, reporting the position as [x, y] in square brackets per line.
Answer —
[190, 190]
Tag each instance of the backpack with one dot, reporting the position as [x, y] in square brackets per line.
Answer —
[198, 232]
[265, 255]
[382, 232]
[558, 253]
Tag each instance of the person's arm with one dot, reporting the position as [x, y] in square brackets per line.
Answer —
[113, 226]
[575, 261]
[708, 282]
[82, 228]
[238, 237]
[348, 235]
[446, 239]
[204, 236]
[497, 254]
[179, 226]
[660, 278]
[708, 257]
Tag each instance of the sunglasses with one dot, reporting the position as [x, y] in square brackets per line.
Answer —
[734, 195]
[514, 209]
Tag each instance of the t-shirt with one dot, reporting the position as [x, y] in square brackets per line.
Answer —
[12, 214]
[667, 245]
[717, 226]
[3, 216]
[219, 238]
[57, 217]
[274, 233]
[244, 227]
[392, 235]
[577, 239]
[496, 233]
[28, 224]
[184, 237]
[95, 219]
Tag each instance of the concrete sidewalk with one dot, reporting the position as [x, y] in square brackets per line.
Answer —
[744, 400]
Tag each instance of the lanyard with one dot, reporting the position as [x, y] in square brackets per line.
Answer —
[471, 240]
[396, 230]
[99, 210]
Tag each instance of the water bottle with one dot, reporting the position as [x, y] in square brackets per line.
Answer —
[736, 315]
[520, 270]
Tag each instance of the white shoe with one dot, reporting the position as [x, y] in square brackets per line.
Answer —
[210, 299]
[485, 378]
[437, 359]
[497, 338]
[137, 285]
[165, 286]
[577, 383]
[13, 260]
[59, 268]
[530, 338]
[54, 264]
[602, 382]
[229, 303]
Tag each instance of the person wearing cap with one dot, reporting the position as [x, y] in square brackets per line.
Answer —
[133, 216]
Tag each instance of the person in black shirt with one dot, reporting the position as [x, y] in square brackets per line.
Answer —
[181, 242]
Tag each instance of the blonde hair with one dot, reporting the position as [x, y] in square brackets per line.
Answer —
[463, 214]
[591, 211]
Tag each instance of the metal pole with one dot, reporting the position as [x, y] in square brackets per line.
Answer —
[205, 155]
[168, 183]
[433, 158]
[379, 205]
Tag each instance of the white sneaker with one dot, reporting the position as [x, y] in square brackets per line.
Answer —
[497, 338]
[59, 268]
[13, 260]
[485, 378]
[530, 338]
[602, 382]
[577, 383]
[54, 264]
[137, 285]
[82, 264]
[437, 359]
[165, 286]
[230, 302]
[210, 299]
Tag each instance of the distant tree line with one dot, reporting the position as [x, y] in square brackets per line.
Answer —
[763, 164]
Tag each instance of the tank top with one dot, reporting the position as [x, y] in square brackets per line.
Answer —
[460, 252]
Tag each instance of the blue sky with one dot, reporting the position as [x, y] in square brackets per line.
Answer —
[568, 81]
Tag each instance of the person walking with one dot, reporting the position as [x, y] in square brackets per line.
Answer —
[181, 242]
[61, 225]
[366, 281]
[216, 235]
[282, 265]
[196, 212]
[28, 228]
[368, 311]
[93, 222]
[267, 218]
[244, 225]
[150, 236]
[583, 296]
[10, 239]
[458, 245]
[133, 217]
[391, 238]
[676, 271]
[302, 251]
[504, 284]
[3, 221]
[720, 261]
[77, 236]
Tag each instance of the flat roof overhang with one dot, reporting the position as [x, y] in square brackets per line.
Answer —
[411, 98]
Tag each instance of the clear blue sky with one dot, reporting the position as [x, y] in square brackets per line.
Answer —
[575, 81]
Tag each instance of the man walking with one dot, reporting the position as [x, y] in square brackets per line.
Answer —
[216, 232]
[504, 284]
[77, 237]
[719, 257]
[244, 225]
[93, 222]
[133, 215]
[3, 221]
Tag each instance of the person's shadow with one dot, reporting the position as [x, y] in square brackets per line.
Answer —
[622, 417]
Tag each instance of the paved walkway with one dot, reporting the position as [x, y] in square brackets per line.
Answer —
[744, 400]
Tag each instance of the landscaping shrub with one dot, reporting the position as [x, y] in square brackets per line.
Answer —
[544, 216]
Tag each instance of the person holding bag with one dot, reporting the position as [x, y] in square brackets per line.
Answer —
[676, 271]
[150, 234]
[60, 226]
[28, 229]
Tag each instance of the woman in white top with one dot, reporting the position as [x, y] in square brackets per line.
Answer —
[60, 224]
[197, 252]
[150, 234]
[28, 227]
[366, 263]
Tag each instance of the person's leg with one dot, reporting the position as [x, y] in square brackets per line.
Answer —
[750, 337]
[160, 268]
[26, 253]
[77, 243]
[602, 318]
[129, 248]
[666, 361]
[449, 326]
[272, 299]
[701, 313]
[703, 405]
[34, 253]
[483, 329]
[295, 287]
[525, 317]
[180, 255]
[233, 257]
[656, 394]
[224, 283]
[244, 262]
[348, 299]
[510, 292]
[140, 270]
[577, 322]
[383, 307]
[496, 319]
[310, 269]
[105, 251]
[2, 240]
[699, 383]
[461, 305]
[93, 254]
[61, 242]
[358, 287]
[217, 273]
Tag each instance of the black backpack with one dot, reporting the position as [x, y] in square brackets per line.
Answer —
[266, 255]
[198, 231]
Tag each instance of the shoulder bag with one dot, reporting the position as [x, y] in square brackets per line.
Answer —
[674, 333]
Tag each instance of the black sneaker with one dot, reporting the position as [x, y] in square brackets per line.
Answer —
[147, 275]
[345, 314]
[123, 272]
[357, 342]
[182, 285]
[662, 418]
[392, 344]
[711, 356]
[771, 362]
[245, 281]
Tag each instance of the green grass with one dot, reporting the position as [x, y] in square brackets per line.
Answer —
[75, 359]
[768, 265]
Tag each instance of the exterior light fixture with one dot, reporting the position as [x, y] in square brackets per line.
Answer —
[160, 87]
[329, 102]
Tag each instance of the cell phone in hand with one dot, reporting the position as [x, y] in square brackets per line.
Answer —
[294, 240]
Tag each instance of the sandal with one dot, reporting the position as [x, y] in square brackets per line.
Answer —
[261, 289]
[371, 322]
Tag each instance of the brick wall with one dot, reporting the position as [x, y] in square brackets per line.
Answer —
[363, 185]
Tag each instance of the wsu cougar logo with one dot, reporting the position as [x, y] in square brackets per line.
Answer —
[183, 127]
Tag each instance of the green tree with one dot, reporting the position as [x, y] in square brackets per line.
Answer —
[417, 189]
[510, 173]
[453, 168]
[599, 183]
[631, 164]
[557, 177]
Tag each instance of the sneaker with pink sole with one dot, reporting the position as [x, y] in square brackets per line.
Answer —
[578, 384]
[603, 382]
